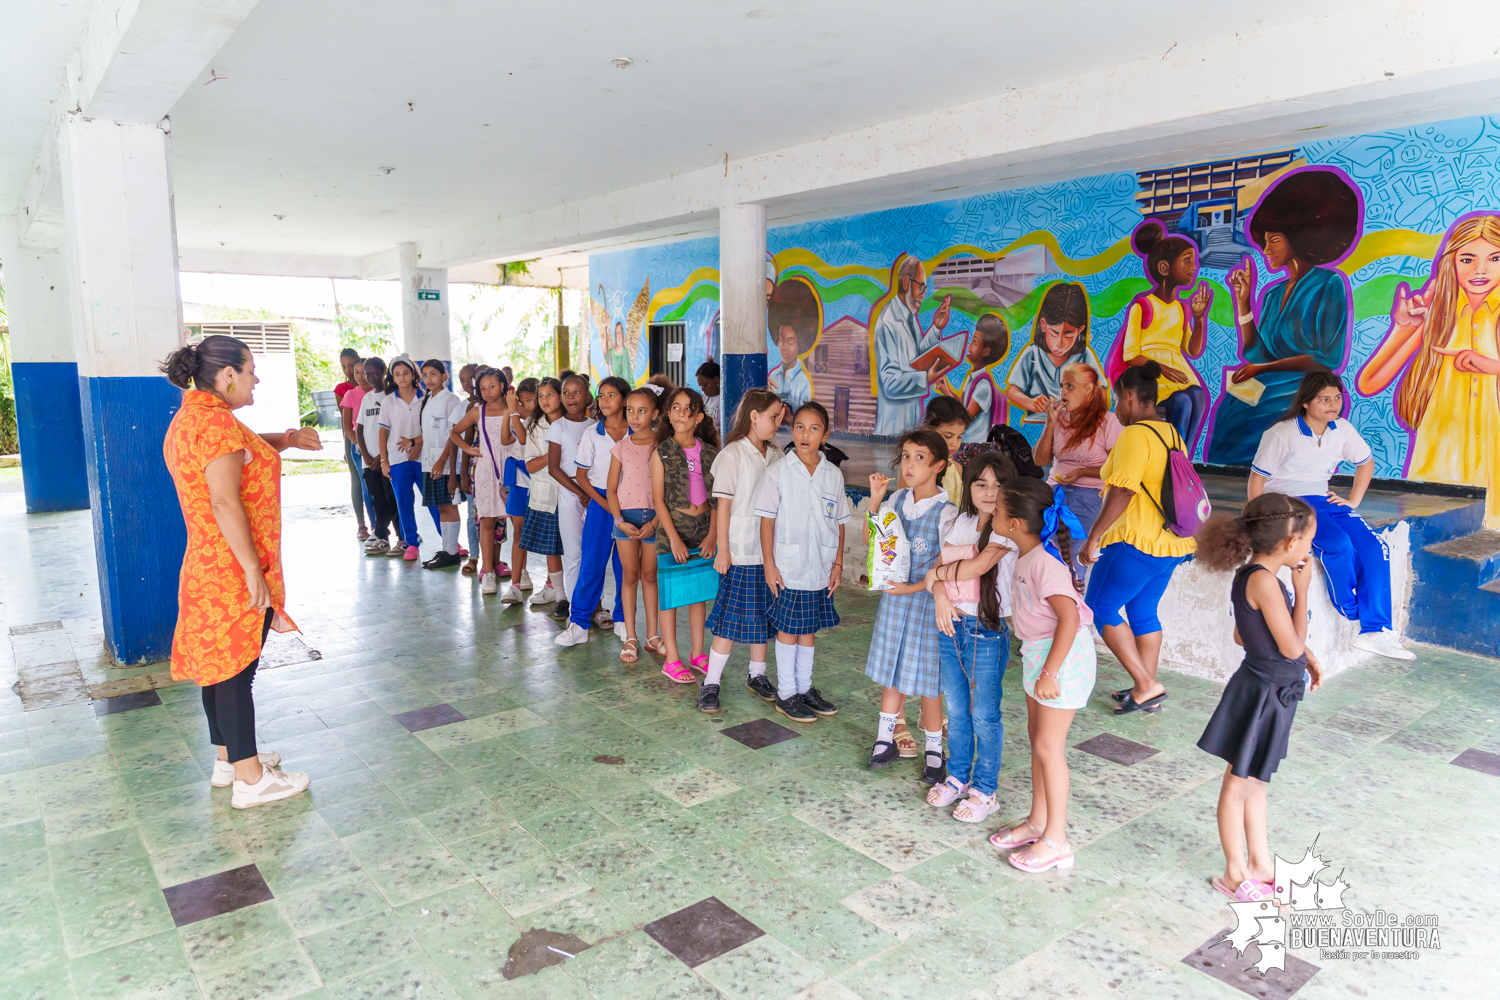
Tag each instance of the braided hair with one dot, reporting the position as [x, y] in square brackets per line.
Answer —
[1226, 541]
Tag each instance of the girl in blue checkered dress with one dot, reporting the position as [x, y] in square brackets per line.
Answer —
[904, 650]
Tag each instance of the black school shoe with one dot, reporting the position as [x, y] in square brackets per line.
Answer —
[708, 698]
[884, 753]
[761, 687]
[443, 560]
[815, 701]
[796, 709]
[932, 775]
[561, 610]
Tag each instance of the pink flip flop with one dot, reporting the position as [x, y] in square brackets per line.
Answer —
[675, 671]
[1250, 891]
[700, 663]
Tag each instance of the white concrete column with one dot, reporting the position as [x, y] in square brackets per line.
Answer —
[424, 308]
[742, 301]
[127, 317]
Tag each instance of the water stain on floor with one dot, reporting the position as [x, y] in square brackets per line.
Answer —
[538, 949]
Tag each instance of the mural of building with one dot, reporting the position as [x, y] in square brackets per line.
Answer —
[1360, 255]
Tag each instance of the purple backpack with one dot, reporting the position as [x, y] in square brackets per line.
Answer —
[1184, 502]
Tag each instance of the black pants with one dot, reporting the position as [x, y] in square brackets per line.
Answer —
[231, 708]
[383, 499]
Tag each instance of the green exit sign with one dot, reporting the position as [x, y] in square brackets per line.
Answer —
[428, 295]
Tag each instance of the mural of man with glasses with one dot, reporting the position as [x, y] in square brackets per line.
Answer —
[898, 340]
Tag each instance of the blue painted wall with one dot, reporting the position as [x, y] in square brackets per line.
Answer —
[139, 534]
[49, 420]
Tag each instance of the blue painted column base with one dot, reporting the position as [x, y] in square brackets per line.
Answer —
[739, 372]
[139, 534]
[49, 422]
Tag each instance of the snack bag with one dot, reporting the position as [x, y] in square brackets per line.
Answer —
[888, 560]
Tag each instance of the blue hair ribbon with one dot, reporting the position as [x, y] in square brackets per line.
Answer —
[1057, 515]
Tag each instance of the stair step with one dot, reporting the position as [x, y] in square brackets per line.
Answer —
[1481, 548]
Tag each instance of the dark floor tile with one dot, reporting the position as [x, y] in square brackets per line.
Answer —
[126, 702]
[758, 733]
[430, 717]
[703, 931]
[1479, 760]
[1116, 748]
[1217, 959]
[215, 894]
[538, 626]
[37, 627]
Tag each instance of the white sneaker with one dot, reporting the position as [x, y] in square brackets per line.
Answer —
[273, 786]
[488, 584]
[620, 631]
[223, 775]
[544, 596]
[1384, 643]
[377, 547]
[513, 596]
[571, 636]
[525, 584]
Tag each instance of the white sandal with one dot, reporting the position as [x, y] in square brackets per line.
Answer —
[947, 793]
[1001, 839]
[979, 807]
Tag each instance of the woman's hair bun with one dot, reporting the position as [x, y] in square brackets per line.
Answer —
[181, 366]
[1150, 370]
[197, 365]
[1147, 236]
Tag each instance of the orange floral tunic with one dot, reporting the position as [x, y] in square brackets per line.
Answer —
[218, 632]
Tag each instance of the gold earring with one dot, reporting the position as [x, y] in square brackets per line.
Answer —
[231, 387]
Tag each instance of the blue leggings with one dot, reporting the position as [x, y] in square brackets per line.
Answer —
[1356, 565]
[597, 548]
[406, 483]
[1125, 577]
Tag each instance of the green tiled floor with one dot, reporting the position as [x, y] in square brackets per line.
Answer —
[417, 860]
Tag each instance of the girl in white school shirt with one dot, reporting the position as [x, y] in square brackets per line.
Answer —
[562, 465]
[488, 417]
[520, 404]
[739, 612]
[540, 535]
[439, 412]
[401, 447]
[802, 509]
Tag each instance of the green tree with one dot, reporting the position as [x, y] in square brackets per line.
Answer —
[367, 329]
[315, 369]
[10, 442]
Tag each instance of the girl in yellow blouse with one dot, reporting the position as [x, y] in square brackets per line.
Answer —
[1134, 551]
[1448, 397]
[1160, 328]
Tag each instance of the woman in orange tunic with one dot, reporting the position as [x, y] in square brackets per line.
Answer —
[228, 481]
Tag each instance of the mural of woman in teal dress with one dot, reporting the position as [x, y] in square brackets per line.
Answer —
[1304, 223]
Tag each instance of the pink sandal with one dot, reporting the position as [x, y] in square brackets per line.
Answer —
[1026, 861]
[1250, 890]
[675, 671]
[949, 792]
[1001, 840]
[700, 663]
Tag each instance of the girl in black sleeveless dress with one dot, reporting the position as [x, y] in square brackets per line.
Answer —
[1251, 725]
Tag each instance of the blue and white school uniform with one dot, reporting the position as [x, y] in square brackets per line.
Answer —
[566, 434]
[1356, 562]
[904, 651]
[740, 609]
[440, 413]
[402, 419]
[806, 540]
[597, 545]
[540, 534]
[517, 479]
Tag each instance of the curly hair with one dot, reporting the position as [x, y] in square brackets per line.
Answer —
[1226, 541]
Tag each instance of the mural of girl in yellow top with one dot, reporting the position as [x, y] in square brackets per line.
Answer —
[1160, 327]
[1444, 338]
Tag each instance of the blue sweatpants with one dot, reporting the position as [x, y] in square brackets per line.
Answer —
[406, 482]
[1356, 564]
[596, 548]
[1125, 577]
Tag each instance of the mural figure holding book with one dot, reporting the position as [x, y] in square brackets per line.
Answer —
[1444, 339]
[1059, 337]
[1160, 327]
[905, 365]
[1305, 223]
[981, 395]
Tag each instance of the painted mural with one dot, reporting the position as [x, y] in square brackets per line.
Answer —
[1375, 256]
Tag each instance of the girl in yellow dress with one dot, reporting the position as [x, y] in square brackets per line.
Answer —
[1160, 327]
[1448, 397]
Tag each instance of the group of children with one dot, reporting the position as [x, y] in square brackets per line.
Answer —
[569, 469]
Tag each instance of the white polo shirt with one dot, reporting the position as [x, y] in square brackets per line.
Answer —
[402, 419]
[737, 472]
[369, 421]
[1298, 463]
[808, 507]
[593, 454]
[440, 414]
[542, 487]
[964, 530]
[566, 434]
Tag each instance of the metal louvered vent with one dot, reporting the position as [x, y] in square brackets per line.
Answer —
[261, 338]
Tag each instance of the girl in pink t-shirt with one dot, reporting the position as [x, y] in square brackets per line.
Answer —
[1057, 662]
[629, 495]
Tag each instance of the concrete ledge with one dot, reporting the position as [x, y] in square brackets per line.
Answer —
[10, 461]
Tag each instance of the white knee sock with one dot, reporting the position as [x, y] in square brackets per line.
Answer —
[887, 729]
[934, 743]
[786, 669]
[450, 537]
[716, 663]
[556, 580]
[757, 668]
[804, 668]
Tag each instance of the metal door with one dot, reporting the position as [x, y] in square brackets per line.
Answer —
[668, 347]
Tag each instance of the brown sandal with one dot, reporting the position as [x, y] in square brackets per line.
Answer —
[630, 654]
[906, 746]
[469, 567]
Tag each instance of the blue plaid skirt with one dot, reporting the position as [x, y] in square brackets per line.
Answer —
[739, 612]
[540, 535]
[435, 490]
[801, 612]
